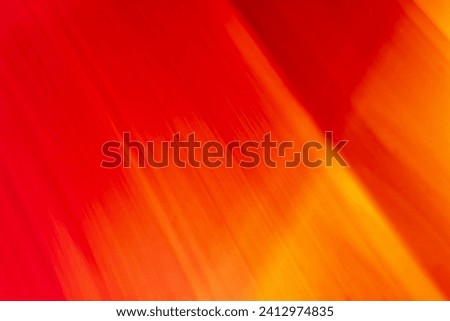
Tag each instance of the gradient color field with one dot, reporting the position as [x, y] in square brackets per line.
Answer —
[77, 73]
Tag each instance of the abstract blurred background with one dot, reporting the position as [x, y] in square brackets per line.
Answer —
[76, 73]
